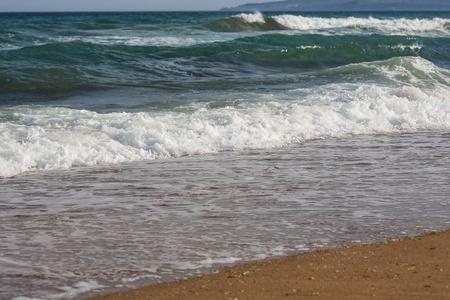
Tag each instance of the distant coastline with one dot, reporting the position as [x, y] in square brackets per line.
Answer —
[345, 5]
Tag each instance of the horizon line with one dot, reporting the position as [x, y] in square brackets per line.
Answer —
[219, 10]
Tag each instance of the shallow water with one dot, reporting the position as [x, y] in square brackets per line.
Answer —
[91, 230]
[138, 148]
[82, 89]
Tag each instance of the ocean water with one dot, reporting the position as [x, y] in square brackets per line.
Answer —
[138, 148]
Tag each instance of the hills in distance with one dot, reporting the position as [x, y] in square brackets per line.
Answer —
[346, 5]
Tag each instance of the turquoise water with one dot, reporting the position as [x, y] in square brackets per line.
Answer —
[138, 86]
[77, 53]
[176, 143]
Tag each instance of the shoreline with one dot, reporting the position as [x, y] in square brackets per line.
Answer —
[408, 268]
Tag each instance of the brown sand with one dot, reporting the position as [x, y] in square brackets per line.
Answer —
[417, 268]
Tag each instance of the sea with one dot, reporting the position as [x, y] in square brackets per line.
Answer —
[145, 147]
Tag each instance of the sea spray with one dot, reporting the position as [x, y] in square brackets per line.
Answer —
[92, 89]
[41, 138]
[159, 146]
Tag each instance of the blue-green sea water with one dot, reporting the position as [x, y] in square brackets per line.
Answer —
[138, 148]
[133, 86]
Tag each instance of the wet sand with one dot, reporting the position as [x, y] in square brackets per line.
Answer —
[411, 268]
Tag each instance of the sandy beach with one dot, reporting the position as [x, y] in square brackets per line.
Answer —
[410, 268]
[139, 148]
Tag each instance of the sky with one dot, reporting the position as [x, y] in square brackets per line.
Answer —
[118, 5]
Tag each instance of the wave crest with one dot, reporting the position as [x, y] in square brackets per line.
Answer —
[40, 138]
[402, 26]
[246, 23]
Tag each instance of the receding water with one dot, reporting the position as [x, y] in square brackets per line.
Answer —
[111, 227]
[138, 148]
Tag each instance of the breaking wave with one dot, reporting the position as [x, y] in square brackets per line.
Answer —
[246, 23]
[344, 25]
[44, 138]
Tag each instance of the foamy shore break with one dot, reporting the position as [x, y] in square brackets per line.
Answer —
[410, 268]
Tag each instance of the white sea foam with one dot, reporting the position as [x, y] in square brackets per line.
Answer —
[402, 26]
[158, 41]
[416, 47]
[7, 47]
[209, 262]
[414, 71]
[46, 138]
[19, 269]
[42, 138]
[68, 292]
[78, 288]
[252, 18]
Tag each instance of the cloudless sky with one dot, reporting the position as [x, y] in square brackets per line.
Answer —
[118, 5]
